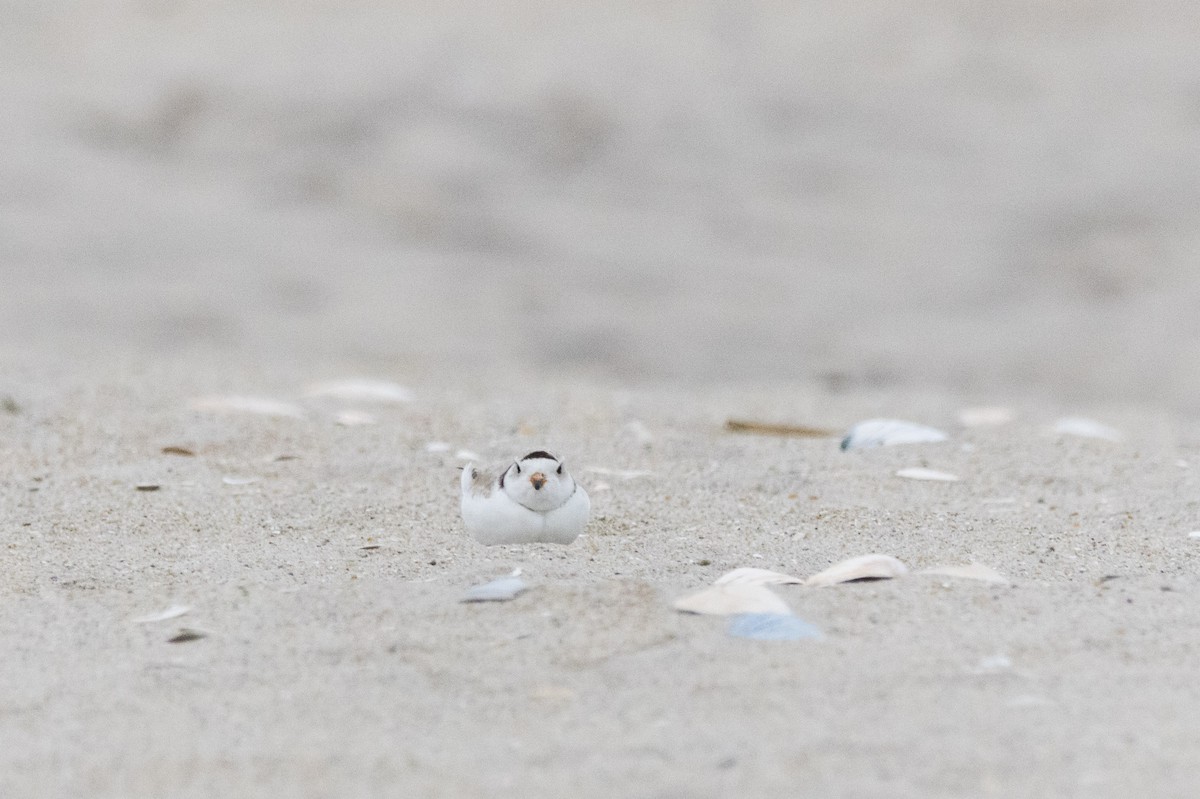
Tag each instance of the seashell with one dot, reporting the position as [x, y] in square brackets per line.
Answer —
[146, 487]
[973, 571]
[772, 627]
[361, 389]
[437, 446]
[238, 480]
[351, 418]
[262, 406]
[467, 455]
[864, 567]
[1194, 534]
[991, 416]
[1086, 428]
[729, 600]
[889, 432]
[173, 612]
[177, 450]
[748, 575]
[921, 473]
[501, 590]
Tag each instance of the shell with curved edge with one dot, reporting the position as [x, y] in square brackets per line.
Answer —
[889, 432]
[729, 600]
[749, 575]
[864, 567]
[973, 571]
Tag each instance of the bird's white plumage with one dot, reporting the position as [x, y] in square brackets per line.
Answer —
[531, 500]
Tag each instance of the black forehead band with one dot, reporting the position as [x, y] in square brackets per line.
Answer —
[539, 454]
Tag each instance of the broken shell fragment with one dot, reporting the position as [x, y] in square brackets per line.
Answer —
[772, 627]
[361, 389]
[748, 575]
[864, 567]
[731, 599]
[501, 590]
[1086, 428]
[889, 432]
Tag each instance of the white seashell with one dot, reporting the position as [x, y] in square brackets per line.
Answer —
[728, 600]
[437, 446]
[361, 389]
[921, 473]
[748, 575]
[1194, 534]
[467, 455]
[173, 612]
[985, 416]
[262, 406]
[864, 567]
[500, 590]
[889, 432]
[1086, 428]
[353, 418]
[238, 480]
[973, 571]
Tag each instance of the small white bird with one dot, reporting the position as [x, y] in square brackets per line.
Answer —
[532, 500]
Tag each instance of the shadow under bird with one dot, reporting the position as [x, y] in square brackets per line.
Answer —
[531, 500]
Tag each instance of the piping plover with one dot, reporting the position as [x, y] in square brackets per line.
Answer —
[532, 500]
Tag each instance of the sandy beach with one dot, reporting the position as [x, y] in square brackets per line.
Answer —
[602, 230]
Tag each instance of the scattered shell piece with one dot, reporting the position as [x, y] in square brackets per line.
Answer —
[437, 446]
[186, 634]
[749, 575]
[987, 416]
[864, 567]
[1194, 534]
[501, 590]
[237, 480]
[921, 473]
[173, 612]
[1086, 428]
[889, 432]
[467, 455]
[282, 458]
[263, 406]
[147, 487]
[771, 429]
[728, 600]
[353, 418]
[361, 389]
[620, 474]
[972, 571]
[174, 450]
[993, 664]
[772, 627]
[599, 485]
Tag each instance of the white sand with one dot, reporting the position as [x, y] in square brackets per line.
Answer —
[552, 222]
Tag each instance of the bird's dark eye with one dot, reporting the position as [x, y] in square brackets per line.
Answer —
[560, 468]
[518, 467]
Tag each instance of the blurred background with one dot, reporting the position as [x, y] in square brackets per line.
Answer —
[982, 198]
